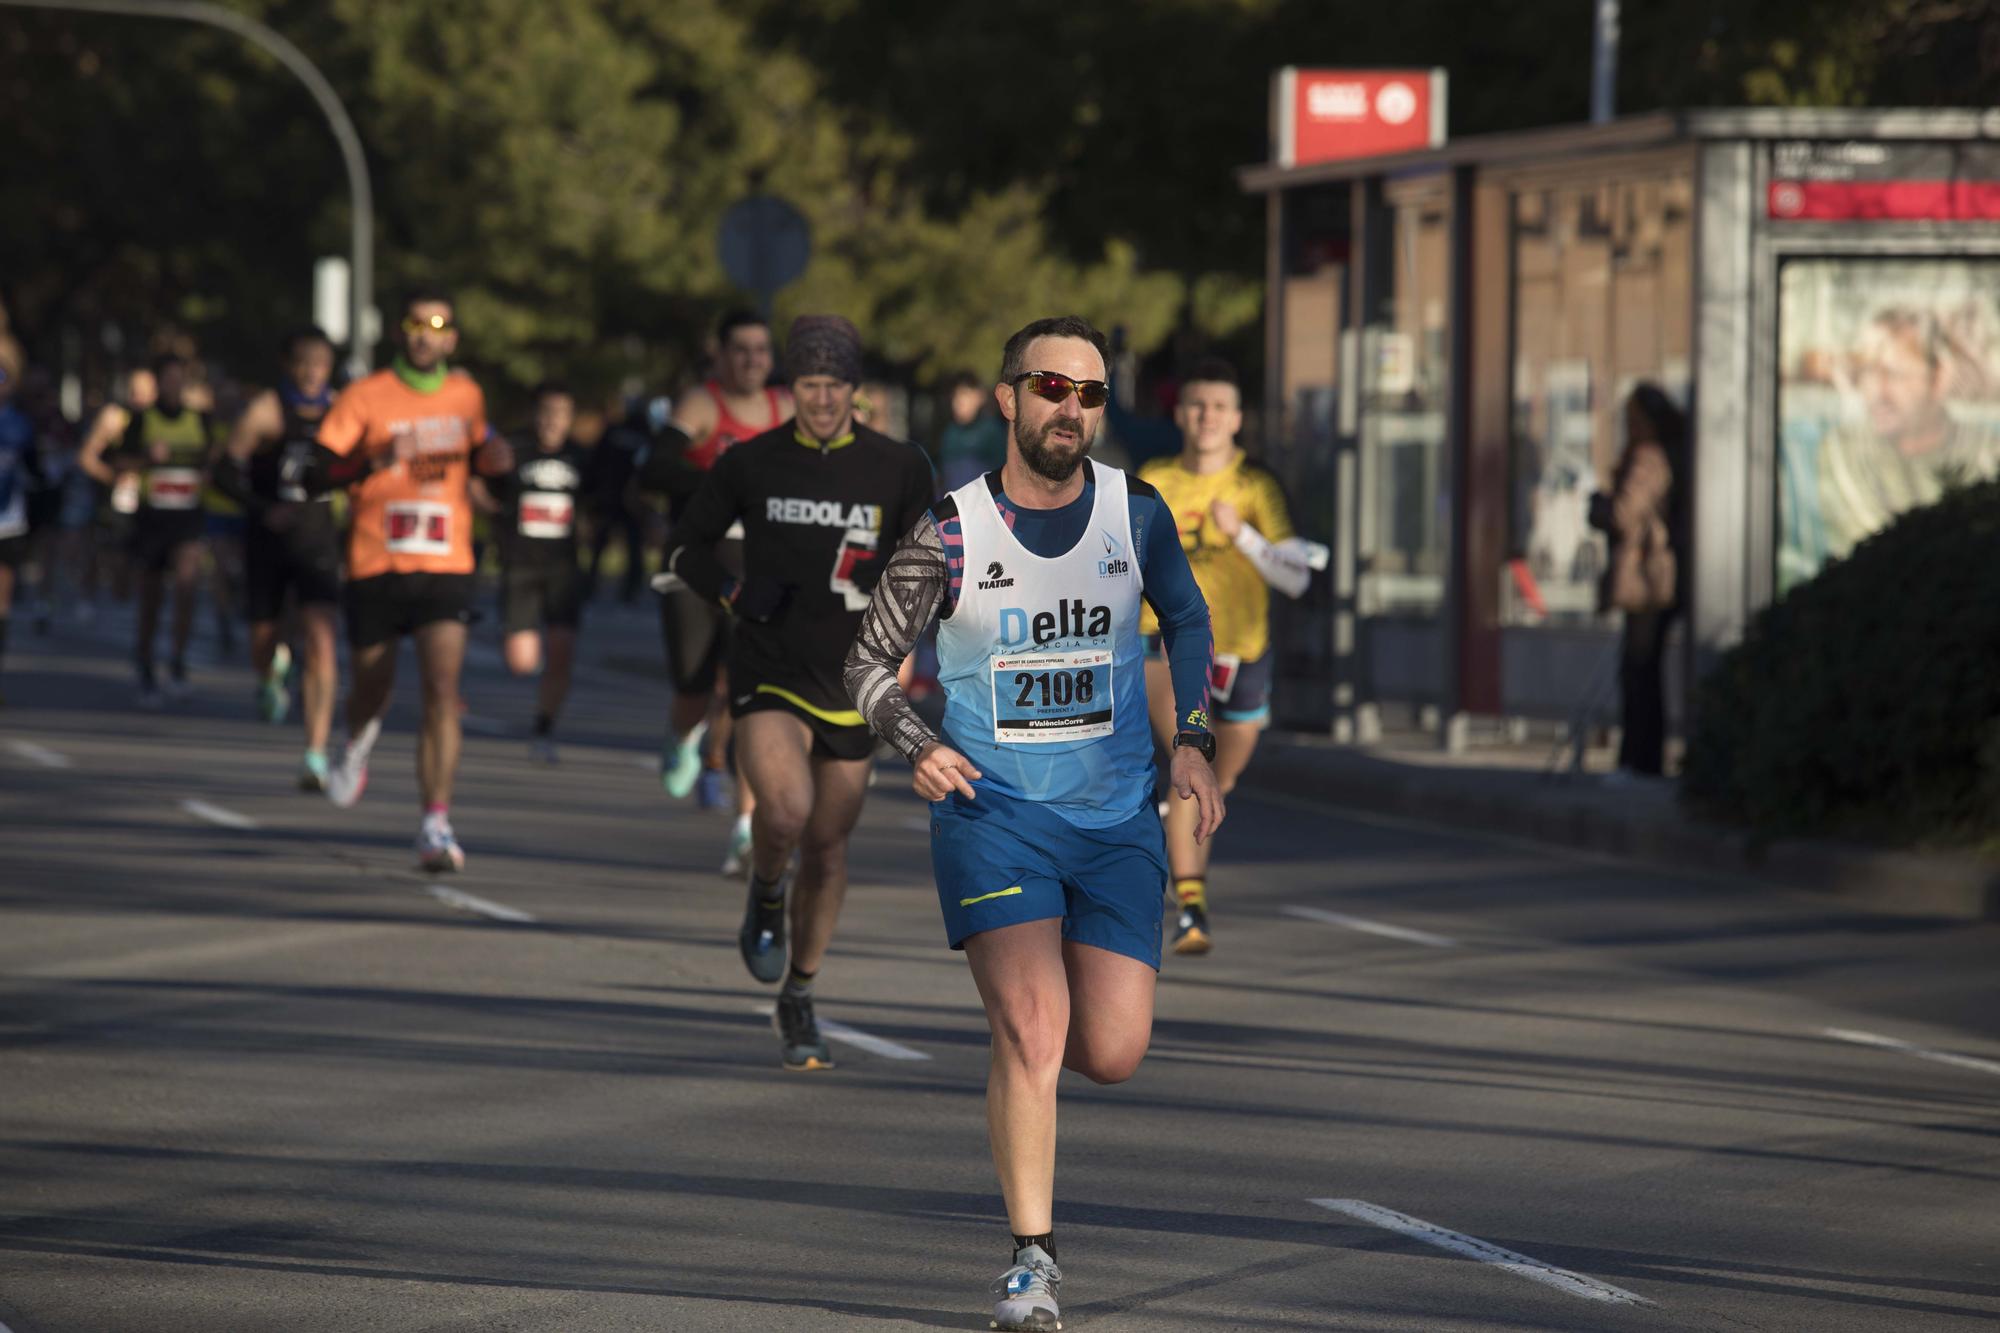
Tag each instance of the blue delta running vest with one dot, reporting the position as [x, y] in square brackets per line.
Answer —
[1043, 666]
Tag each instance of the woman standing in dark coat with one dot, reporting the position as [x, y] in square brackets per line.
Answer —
[1641, 515]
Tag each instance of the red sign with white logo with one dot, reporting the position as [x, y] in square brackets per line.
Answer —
[1870, 181]
[1330, 115]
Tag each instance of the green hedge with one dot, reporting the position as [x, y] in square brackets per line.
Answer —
[1866, 703]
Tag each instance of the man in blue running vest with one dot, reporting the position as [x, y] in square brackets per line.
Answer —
[1050, 862]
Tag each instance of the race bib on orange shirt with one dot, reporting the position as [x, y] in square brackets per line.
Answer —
[417, 527]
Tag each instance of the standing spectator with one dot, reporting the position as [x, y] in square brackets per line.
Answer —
[1643, 516]
[974, 441]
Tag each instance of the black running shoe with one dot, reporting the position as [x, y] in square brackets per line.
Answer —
[798, 1034]
[1191, 932]
[762, 938]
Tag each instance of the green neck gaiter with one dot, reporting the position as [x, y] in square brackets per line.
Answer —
[423, 381]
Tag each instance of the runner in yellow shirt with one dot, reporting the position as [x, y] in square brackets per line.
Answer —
[1238, 538]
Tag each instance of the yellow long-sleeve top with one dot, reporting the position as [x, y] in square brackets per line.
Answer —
[1239, 604]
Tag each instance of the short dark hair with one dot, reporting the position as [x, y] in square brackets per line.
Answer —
[166, 361]
[1213, 370]
[552, 389]
[311, 333]
[961, 379]
[1013, 360]
[428, 296]
[738, 318]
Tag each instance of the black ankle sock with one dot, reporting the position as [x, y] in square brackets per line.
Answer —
[1047, 1240]
[544, 724]
[797, 982]
[770, 893]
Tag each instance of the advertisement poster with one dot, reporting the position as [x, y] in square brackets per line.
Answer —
[1888, 392]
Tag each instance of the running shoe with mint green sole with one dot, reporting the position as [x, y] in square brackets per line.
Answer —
[273, 699]
[1027, 1291]
[313, 771]
[680, 766]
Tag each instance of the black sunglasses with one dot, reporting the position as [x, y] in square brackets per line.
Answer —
[1047, 384]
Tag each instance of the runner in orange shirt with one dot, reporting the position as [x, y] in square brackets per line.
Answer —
[406, 440]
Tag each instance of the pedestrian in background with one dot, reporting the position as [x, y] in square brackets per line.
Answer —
[1642, 515]
[974, 441]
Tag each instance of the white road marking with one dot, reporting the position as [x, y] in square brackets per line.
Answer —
[482, 724]
[1907, 1048]
[1575, 1284]
[471, 903]
[47, 758]
[215, 814]
[169, 957]
[867, 1041]
[1372, 927]
[649, 762]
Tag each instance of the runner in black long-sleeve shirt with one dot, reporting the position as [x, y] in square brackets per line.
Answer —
[822, 501]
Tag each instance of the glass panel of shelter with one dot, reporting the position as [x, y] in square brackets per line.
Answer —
[1602, 288]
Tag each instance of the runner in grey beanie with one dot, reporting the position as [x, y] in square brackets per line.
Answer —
[823, 345]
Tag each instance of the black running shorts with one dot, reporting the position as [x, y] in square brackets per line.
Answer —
[157, 534]
[390, 605]
[275, 563]
[833, 737]
[534, 593]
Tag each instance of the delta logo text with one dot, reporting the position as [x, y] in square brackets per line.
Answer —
[1070, 620]
[995, 578]
[1113, 565]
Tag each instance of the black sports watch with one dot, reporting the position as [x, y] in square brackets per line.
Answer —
[1203, 741]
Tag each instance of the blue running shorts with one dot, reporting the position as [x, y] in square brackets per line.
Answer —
[1001, 861]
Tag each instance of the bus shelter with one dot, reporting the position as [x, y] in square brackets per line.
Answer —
[1451, 335]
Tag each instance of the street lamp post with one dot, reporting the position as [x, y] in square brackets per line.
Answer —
[362, 241]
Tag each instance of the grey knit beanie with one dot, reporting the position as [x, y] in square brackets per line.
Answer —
[823, 345]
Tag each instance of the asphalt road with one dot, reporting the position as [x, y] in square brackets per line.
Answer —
[256, 1075]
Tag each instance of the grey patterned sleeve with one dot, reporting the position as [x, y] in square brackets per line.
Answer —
[909, 594]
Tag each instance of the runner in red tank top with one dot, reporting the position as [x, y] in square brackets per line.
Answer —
[736, 404]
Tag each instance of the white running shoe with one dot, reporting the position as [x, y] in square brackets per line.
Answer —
[437, 850]
[347, 778]
[1027, 1294]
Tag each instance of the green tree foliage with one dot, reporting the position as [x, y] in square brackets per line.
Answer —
[562, 164]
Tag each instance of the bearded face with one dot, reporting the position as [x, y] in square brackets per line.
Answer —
[1056, 447]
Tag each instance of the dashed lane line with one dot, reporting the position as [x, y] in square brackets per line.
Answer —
[1521, 1265]
[216, 814]
[47, 758]
[1876, 1039]
[473, 903]
[1368, 927]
